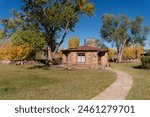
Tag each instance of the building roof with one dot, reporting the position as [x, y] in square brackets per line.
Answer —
[85, 48]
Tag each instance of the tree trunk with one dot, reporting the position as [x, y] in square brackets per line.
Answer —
[50, 59]
[61, 41]
[120, 56]
[58, 45]
[48, 56]
[51, 55]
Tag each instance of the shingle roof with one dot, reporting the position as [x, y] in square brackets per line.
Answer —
[84, 48]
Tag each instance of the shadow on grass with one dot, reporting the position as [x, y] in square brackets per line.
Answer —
[44, 67]
[47, 67]
[140, 67]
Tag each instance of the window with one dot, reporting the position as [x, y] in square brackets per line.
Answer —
[81, 57]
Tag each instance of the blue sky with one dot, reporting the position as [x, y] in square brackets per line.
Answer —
[89, 27]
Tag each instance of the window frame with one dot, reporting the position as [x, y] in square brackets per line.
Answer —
[82, 58]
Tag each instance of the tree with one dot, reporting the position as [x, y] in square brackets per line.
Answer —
[128, 53]
[6, 51]
[73, 42]
[110, 53]
[10, 26]
[133, 52]
[55, 17]
[23, 36]
[21, 52]
[121, 31]
[29, 36]
[100, 44]
[11, 52]
[2, 33]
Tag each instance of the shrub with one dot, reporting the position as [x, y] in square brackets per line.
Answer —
[145, 61]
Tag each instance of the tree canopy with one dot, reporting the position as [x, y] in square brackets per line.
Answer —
[11, 25]
[51, 18]
[100, 44]
[121, 31]
[22, 34]
[31, 37]
[55, 18]
[73, 42]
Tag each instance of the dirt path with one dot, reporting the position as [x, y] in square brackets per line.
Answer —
[119, 89]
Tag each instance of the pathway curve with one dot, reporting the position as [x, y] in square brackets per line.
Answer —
[119, 89]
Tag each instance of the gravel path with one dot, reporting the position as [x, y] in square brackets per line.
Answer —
[119, 89]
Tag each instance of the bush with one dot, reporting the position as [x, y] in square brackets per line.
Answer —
[145, 61]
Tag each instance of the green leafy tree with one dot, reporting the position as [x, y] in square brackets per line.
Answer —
[22, 33]
[73, 42]
[29, 36]
[121, 31]
[11, 25]
[2, 33]
[55, 17]
[100, 44]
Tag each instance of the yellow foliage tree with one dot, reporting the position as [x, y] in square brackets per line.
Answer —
[22, 51]
[133, 52]
[139, 51]
[6, 52]
[10, 52]
[110, 53]
[73, 42]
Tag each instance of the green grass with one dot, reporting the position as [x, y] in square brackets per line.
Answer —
[141, 81]
[20, 82]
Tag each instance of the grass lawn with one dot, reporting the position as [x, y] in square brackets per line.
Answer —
[20, 82]
[141, 81]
